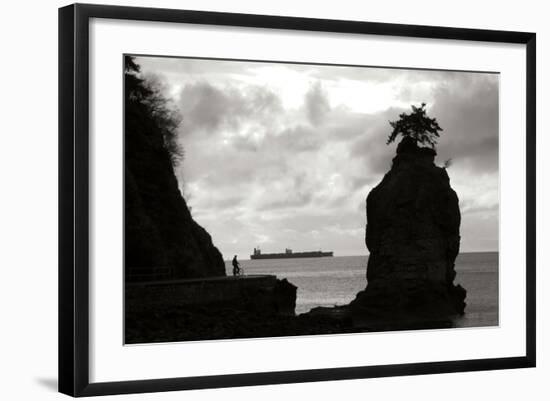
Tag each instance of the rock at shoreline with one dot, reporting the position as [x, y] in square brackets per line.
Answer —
[412, 233]
[211, 308]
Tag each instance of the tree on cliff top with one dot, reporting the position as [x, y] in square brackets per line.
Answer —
[416, 125]
[145, 95]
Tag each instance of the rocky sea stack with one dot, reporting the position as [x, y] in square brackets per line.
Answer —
[413, 237]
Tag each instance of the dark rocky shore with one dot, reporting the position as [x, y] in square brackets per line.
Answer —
[221, 308]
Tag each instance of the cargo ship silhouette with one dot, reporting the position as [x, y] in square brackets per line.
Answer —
[288, 254]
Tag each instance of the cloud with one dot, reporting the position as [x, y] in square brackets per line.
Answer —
[371, 147]
[295, 139]
[290, 200]
[192, 69]
[316, 104]
[468, 111]
[207, 108]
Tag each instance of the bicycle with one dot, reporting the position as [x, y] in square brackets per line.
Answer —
[239, 271]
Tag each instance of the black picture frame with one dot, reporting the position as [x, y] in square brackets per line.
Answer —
[74, 198]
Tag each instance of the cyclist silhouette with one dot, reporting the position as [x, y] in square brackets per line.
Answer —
[236, 266]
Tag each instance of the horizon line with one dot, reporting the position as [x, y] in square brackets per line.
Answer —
[368, 254]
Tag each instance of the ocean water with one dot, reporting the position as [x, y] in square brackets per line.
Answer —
[335, 281]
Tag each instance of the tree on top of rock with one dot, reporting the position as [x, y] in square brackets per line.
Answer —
[145, 100]
[416, 125]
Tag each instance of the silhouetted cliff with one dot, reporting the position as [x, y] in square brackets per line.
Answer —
[412, 233]
[161, 238]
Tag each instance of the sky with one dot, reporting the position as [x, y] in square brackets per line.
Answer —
[281, 155]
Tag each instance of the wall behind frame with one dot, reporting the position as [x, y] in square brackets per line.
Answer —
[28, 206]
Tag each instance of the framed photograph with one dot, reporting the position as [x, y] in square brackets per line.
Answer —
[238, 189]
